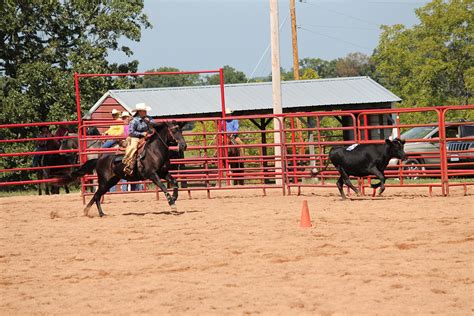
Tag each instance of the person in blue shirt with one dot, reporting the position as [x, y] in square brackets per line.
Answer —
[138, 128]
[232, 126]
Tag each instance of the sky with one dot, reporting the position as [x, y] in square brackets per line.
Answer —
[208, 34]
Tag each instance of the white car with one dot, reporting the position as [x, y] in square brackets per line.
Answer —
[425, 154]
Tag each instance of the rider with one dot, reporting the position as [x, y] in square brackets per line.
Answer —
[138, 128]
[232, 126]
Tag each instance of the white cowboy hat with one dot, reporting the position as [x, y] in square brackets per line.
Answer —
[141, 107]
[115, 111]
[125, 114]
[228, 111]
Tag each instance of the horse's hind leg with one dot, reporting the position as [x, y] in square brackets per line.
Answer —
[88, 206]
[66, 188]
[103, 188]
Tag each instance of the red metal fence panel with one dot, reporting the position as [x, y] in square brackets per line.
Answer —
[53, 169]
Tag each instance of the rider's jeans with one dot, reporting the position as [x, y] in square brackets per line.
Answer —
[109, 144]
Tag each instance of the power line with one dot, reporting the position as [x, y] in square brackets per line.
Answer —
[336, 38]
[342, 27]
[266, 49]
[412, 3]
[343, 14]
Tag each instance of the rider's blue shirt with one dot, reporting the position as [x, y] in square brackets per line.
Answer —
[138, 127]
[232, 126]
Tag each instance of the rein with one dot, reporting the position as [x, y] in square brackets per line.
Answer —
[159, 136]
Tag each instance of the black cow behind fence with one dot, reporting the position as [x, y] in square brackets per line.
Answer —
[364, 160]
[53, 160]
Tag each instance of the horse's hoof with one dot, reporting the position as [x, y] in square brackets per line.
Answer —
[174, 208]
[86, 212]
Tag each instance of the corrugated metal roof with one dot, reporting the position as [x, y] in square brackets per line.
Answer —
[254, 96]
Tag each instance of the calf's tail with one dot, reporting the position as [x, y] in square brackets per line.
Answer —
[86, 168]
[315, 173]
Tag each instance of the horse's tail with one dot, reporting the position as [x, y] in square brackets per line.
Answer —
[315, 173]
[86, 168]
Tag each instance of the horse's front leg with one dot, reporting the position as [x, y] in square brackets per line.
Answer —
[156, 180]
[174, 183]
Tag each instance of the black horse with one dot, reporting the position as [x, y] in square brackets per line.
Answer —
[51, 160]
[153, 164]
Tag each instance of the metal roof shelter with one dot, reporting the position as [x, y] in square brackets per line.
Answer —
[250, 98]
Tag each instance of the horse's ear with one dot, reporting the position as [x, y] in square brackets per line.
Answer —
[388, 141]
[181, 124]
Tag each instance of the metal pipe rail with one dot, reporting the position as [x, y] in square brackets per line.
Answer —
[5, 155]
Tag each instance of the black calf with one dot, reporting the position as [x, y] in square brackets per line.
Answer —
[364, 160]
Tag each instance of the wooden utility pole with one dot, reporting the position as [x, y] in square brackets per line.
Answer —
[294, 41]
[296, 68]
[276, 81]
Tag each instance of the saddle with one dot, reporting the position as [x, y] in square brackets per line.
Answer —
[140, 151]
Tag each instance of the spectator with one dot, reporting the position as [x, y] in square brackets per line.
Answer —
[41, 144]
[114, 130]
[126, 117]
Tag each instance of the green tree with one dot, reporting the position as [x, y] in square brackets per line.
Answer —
[354, 64]
[43, 44]
[231, 75]
[309, 73]
[169, 80]
[431, 63]
[324, 68]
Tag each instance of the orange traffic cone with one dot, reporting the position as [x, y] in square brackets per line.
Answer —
[305, 221]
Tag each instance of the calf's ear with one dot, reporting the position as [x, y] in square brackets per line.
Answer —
[388, 141]
[402, 141]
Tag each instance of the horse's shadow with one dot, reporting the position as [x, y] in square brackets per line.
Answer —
[173, 213]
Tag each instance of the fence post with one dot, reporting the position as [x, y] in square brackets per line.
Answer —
[443, 153]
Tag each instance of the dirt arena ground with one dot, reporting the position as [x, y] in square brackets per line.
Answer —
[239, 253]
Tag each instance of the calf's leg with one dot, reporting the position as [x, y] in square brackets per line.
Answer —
[340, 186]
[347, 181]
[376, 172]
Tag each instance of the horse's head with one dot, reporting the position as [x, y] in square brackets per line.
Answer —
[176, 133]
[69, 143]
[173, 133]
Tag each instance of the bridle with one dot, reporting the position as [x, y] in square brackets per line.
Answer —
[169, 134]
